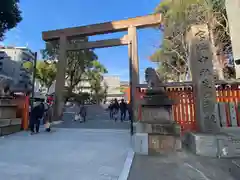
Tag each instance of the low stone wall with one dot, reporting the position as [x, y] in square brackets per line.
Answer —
[9, 126]
[9, 123]
[225, 144]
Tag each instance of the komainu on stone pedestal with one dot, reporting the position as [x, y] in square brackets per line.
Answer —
[163, 132]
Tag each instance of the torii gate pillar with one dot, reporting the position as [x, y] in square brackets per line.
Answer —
[133, 68]
[60, 77]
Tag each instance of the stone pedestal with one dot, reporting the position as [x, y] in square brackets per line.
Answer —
[8, 122]
[157, 133]
[221, 145]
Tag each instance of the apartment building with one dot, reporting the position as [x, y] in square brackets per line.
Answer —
[112, 83]
[11, 65]
[114, 87]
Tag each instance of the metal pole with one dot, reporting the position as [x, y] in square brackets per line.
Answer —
[33, 80]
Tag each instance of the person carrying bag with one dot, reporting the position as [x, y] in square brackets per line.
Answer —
[48, 119]
[83, 113]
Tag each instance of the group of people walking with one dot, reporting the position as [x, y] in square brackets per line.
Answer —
[43, 112]
[123, 107]
[39, 113]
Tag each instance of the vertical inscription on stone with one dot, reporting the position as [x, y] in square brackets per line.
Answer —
[202, 72]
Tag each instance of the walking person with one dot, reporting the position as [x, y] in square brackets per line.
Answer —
[48, 118]
[36, 115]
[83, 112]
[110, 108]
[115, 109]
[129, 109]
[77, 114]
[123, 110]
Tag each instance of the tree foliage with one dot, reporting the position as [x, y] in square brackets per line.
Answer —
[82, 65]
[95, 76]
[10, 15]
[46, 73]
[178, 16]
[78, 64]
[28, 65]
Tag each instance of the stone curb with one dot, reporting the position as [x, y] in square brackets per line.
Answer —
[56, 122]
[127, 166]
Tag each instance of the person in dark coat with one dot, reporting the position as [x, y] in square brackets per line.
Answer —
[36, 114]
[115, 108]
[110, 108]
[129, 109]
[123, 109]
[83, 112]
[48, 118]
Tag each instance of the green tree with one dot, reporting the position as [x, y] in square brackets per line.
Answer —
[46, 73]
[10, 15]
[105, 91]
[28, 65]
[95, 76]
[178, 16]
[82, 65]
[78, 63]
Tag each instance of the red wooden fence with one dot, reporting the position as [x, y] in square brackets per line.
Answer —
[184, 109]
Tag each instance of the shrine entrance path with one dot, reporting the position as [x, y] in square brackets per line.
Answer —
[70, 152]
[97, 118]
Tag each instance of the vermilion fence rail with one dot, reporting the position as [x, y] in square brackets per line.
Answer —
[22, 103]
[229, 94]
[184, 108]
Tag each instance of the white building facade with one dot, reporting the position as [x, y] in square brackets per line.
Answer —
[11, 65]
[112, 82]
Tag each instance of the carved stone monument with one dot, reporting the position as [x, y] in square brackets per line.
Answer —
[163, 134]
[203, 79]
[211, 140]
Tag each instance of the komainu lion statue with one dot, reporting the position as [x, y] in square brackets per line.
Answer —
[152, 78]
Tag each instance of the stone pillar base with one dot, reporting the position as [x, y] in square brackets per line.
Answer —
[9, 130]
[156, 144]
[10, 126]
[213, 145]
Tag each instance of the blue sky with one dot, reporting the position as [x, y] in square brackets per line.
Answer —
[42, 15]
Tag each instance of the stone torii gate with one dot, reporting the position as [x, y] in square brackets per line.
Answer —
[131, 25]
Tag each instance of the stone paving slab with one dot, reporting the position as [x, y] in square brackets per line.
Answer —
[93, 122]
[182, 166]
[75, 154]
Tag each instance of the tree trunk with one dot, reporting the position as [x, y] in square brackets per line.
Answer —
[217, 66]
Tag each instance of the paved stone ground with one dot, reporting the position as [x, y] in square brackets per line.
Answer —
[97, 118]
[182, 166]
[68, 153]
[97, 150]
